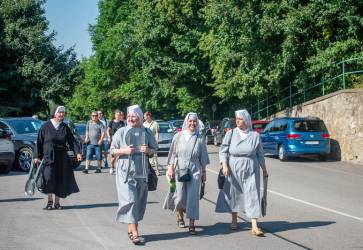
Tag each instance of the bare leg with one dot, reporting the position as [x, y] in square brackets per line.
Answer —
[255, 230]
[233, 225]
[192, 227]
[87, 163]
[180, 215]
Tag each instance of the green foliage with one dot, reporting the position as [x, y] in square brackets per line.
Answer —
[32, 70]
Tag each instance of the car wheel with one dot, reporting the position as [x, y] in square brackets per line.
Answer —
[24, 159]
[282, 153]
[323, 157]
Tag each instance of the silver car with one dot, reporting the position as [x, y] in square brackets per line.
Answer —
[166, 135]
[7, 152]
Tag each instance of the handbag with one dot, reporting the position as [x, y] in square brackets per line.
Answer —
[152, 179]
[184, 174]
[221, 178]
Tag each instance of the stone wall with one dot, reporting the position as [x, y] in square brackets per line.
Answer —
[342, 112]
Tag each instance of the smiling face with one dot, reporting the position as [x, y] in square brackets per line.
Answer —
[133, 120]
[192, 124]
[241, 124]
[59, 116]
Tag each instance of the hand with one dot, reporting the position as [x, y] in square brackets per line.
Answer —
[264, 172]
[79, 157]
[86, 140]
[109, 141]
[100, 142]
[204, 176]
[145, 149]
[225, 170]
[171, 171]
[129, 150]
[37, 161]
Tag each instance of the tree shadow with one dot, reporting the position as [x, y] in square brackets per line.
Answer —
[20, 199]
[89, 206]
[14, 173]
[281, 226]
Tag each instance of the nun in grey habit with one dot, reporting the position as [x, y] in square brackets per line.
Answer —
[132, 194]
[188, 150]
[241, 155]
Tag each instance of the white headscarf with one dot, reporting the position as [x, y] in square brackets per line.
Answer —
[243, 113]
[60, 109]
[135, 109]
[185, 124]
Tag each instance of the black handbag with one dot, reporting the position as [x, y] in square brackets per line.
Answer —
[152, 179]
[184, 174]
[221, 179]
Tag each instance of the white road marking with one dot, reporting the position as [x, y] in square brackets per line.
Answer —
[305, 202]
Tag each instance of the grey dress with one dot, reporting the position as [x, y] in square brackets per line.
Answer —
[186, 195]
[241, 191]
[132, 195]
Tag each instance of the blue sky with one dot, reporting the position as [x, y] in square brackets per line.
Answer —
[70, 19]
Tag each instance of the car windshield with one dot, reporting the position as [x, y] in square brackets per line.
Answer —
[177, 124]
[81, 129]
[309, 126]
[163, 127]
[25, 126]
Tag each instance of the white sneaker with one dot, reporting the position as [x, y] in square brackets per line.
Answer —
[112, 171]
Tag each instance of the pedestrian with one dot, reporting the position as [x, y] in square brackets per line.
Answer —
[154, 127]
[188, 152]
[131, 181]
[94, 140]
[241, 155]
[114, 125]
[105, 145]
[58, 176]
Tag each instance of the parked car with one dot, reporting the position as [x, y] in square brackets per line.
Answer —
[259, 125]
[7, 152]
[225, 125]
[23, 132]
[211, 129]
[79, 142]
[81, 129]
[176, 125]
[166, 135]
[287, 137]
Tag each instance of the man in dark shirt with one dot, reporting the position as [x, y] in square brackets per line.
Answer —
[114, 125]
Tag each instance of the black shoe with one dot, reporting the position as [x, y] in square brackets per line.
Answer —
[85, 171]
[98, 171]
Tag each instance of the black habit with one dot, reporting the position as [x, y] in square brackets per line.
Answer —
[52, 147]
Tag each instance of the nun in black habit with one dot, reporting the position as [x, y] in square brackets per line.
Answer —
[58, 176]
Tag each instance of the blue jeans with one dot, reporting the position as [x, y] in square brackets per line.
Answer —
[94, 149]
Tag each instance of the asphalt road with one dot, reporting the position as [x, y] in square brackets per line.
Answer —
[311, 205]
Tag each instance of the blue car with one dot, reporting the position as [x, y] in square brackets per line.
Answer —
[290, 136]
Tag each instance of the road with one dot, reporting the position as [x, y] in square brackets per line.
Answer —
[311, 205]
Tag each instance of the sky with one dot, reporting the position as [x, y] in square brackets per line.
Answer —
[70, 20]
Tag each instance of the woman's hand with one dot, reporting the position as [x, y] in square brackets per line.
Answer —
[171, 171]
[129, 150]
[225, 169]
[37, 161]
[145, 149]
[79, 157]
[204, 176]
[264, 172]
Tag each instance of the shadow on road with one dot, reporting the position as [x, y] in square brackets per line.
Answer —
[280, 226]
[20, 199]
[88, 206]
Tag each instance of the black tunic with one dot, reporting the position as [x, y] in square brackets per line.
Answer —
[52, 147]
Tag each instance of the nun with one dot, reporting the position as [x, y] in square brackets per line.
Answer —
[131, 172]
[58, 176]
[188, 151]
[241, 155]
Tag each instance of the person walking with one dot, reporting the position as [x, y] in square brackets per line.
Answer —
[188, 152]
[105, 145]
[241, 155]
[154, 127]
[58, 176]
[114, 125]
[94, 140]
[131, 181]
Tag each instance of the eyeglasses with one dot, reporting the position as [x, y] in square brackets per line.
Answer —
[94, 115]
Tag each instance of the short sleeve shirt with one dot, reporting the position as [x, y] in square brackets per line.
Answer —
[153, 126]
[94, 130]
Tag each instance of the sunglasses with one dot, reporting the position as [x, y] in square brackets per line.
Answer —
[94, 115]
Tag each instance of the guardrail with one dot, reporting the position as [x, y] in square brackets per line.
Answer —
[273, 104]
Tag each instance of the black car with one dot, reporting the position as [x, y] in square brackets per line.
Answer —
[225, 125]
[24, 133]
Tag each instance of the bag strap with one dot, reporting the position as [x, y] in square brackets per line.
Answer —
[191, 154]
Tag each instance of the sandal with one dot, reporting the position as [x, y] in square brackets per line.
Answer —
[181, 223]
[129, 234]
[49, 206]
[257, 232]
[192, 230]
[233, 226]
[58, 206]
[136, 240]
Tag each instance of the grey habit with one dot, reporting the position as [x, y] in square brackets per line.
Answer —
[241, 191]
[132, 195]
[186, 195]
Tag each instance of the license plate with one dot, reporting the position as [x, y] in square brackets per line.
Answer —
[312, 142]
